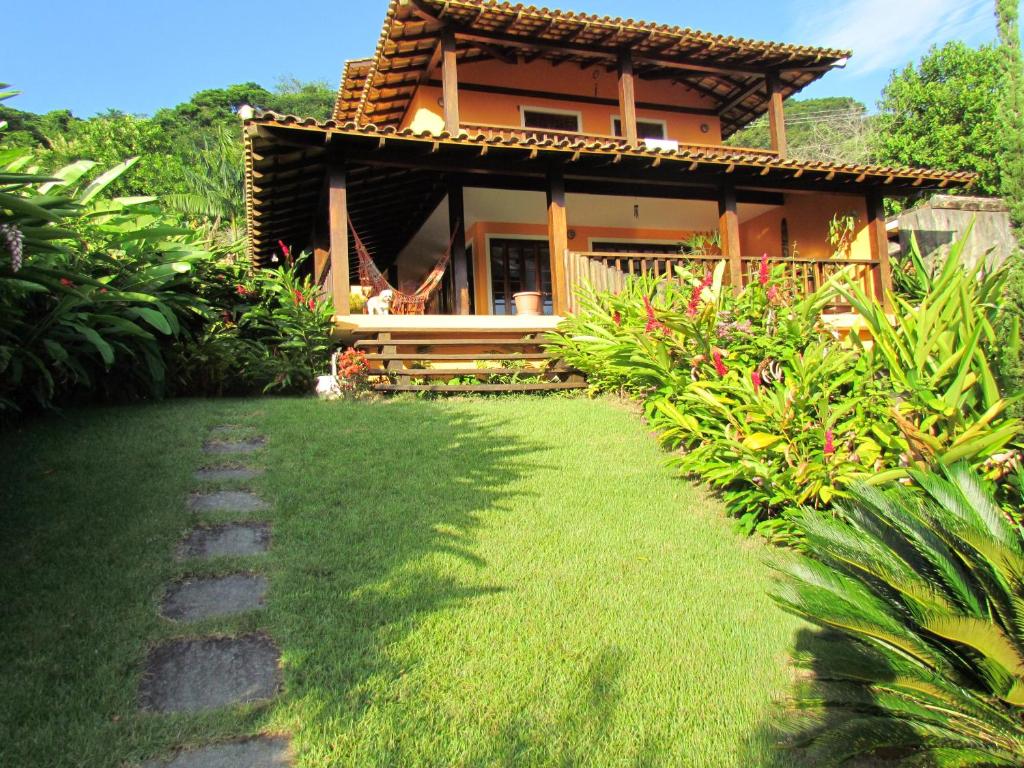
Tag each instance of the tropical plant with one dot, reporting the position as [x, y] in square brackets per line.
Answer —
[211, 189]
[754, 394]
[922, 605]
[947, 401]
[93, 286]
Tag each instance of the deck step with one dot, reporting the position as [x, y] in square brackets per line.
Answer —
[441, 342]
[439, 372]
[457, 357]
[454, 388]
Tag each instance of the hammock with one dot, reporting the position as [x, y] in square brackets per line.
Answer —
[404, 303]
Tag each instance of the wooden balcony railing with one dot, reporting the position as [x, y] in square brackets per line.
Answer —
[609, 271]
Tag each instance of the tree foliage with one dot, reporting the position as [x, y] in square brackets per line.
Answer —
[833, 129]
[944, 113]
[1012, 109]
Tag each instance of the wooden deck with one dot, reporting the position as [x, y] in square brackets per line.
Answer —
[348, 327]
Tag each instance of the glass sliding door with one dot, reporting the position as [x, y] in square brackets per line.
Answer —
[519, 265]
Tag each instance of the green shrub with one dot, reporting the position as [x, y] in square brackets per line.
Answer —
[922, 603]
[756, 396]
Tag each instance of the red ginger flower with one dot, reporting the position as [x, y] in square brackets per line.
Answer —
[763, 274]
[653, 323]
[285, 250]
[773, 292]
[698, 291]
[755, 379]
[617, 318]
[716, 356]
[830, 447]
[66, 283]
[298, 298]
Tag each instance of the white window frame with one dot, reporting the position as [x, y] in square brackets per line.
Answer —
[662, 123]
[524, 108]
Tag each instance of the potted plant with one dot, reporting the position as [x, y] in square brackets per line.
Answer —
[527, 302]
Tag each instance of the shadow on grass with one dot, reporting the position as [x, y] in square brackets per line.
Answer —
[378, 509]
[816, 737]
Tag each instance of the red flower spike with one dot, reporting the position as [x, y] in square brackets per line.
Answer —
[653, 323]
[720, 369]
[66, 283]
[830, 447]
[773, 292]
[617, 318]
[755, 379]
[763, 274]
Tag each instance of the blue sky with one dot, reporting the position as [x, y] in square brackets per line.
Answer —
[139, 56]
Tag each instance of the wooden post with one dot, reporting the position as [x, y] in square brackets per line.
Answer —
[460, 268]
[776, 115]
[729, 231]
[879, 242]
[558, 237]
[627, 98]
[337, 208]
[449, 82]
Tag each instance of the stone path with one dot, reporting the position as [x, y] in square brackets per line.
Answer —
[204, 673]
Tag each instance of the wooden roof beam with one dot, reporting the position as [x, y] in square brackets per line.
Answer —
[495, 38]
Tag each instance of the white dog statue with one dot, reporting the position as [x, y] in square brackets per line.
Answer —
[381, 303]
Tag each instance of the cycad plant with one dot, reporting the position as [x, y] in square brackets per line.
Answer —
[921, 599]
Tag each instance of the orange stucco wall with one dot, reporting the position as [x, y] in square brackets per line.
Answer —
[479, 233]
[425, 112]
[807, 218]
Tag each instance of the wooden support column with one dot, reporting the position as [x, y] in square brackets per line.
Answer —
[776, 115]
[558, 237]
[337, 216]
[449, 83]
[729, 231]
[460, 267]
[627, 98]
[879, 241]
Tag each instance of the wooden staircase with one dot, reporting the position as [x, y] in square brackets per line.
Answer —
[417, 361]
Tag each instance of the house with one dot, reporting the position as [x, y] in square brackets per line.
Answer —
[540, 148]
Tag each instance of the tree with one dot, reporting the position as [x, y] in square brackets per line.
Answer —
[295, 97]
[944, 113]
[833, 129]
[1012, 109]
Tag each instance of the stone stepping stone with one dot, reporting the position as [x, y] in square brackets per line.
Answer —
[262, 752]
[226, 501]
[210, 541]
[250, 445]
[195, 599]
[209, 673]
[216, 474]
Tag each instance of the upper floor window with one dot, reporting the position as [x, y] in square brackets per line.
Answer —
[551, 120]
[645, 129]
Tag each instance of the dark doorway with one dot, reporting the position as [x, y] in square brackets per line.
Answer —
[519, 265]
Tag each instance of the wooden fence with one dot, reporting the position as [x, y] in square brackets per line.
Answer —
[609, 271]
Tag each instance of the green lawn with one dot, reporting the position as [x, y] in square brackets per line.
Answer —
[467, 582]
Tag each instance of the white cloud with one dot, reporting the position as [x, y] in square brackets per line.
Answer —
[885, 34]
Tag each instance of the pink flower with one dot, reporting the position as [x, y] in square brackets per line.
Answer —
[773, 292]
[720, 369]
[66, 283]
[830, 447]
[763, 274]
[617, 318]
[755, 379]
[285, 250]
